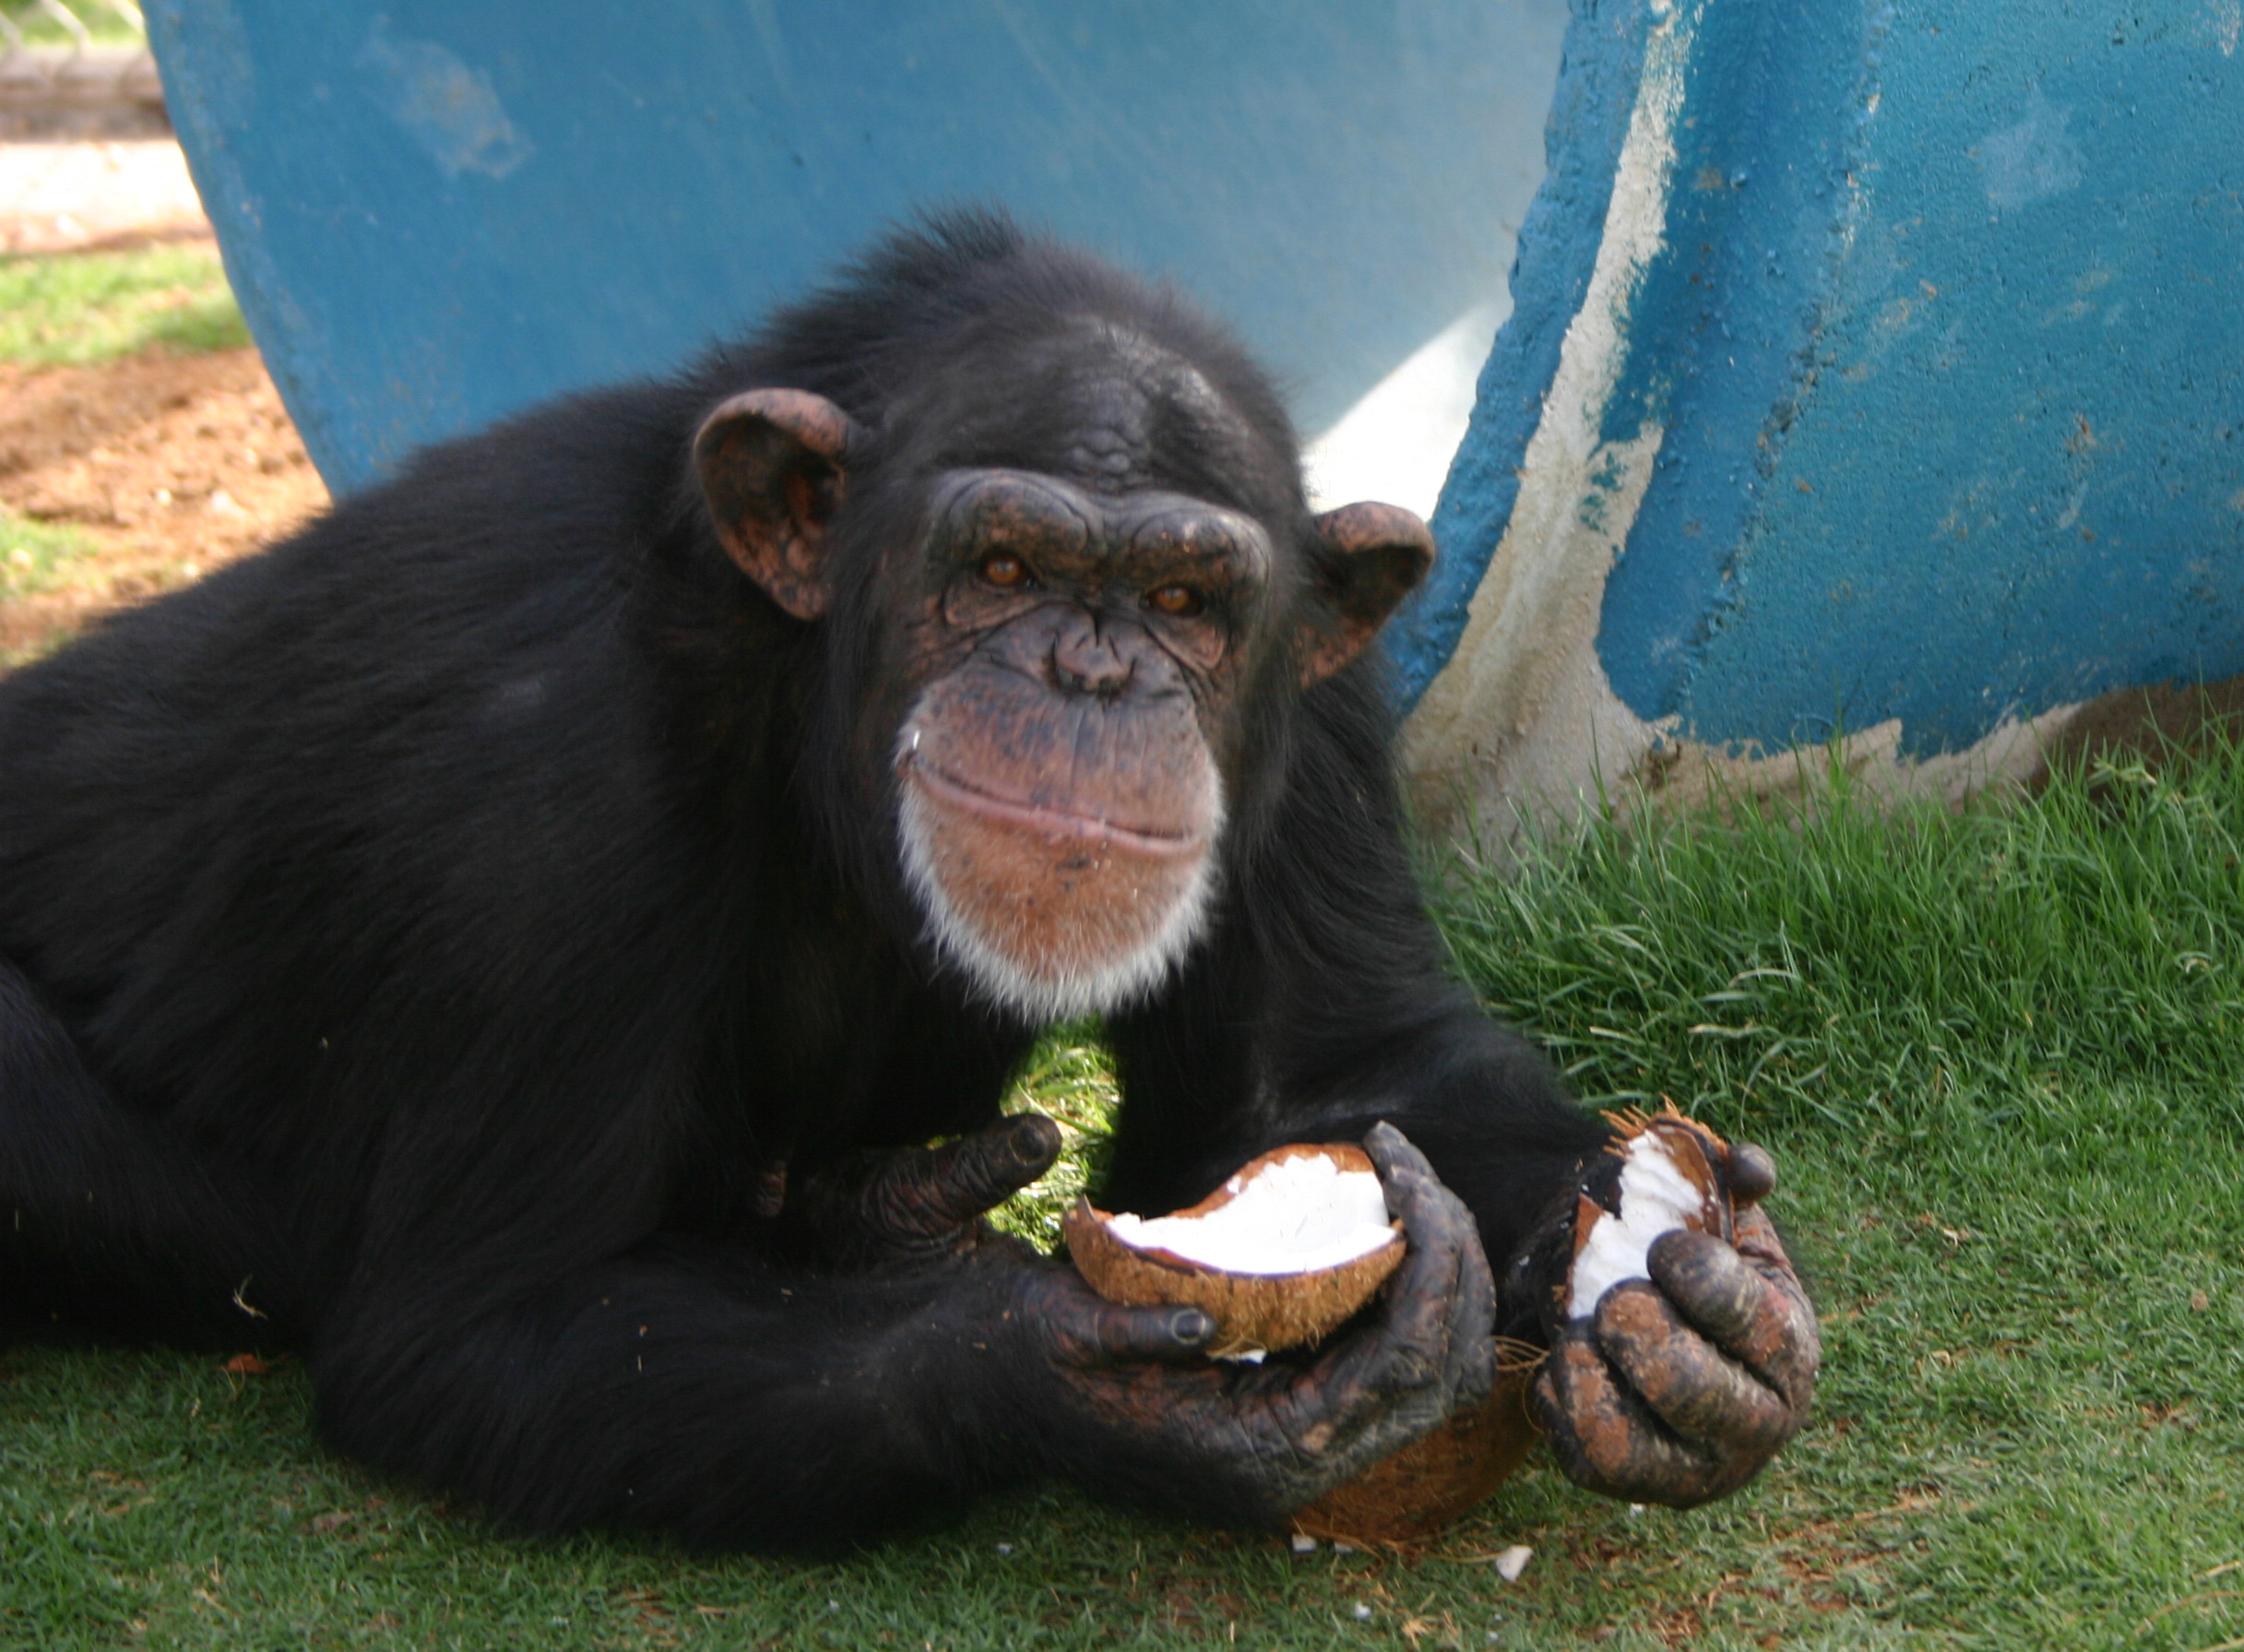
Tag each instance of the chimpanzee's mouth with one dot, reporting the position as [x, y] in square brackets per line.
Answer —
[1049, 823]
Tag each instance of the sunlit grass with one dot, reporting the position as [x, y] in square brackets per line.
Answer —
[1069, 1079]
[1831, 964]
[79, 308]
[36, 558]
[40, 26]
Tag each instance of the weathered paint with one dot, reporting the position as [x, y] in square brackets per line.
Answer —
[437, 213]
[1919, 418]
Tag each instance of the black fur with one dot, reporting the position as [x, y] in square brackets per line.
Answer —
[424, 933]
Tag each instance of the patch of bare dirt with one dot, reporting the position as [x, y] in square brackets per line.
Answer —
[170, 465]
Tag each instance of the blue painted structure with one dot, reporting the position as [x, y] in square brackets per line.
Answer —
[435, 213]
[1935, 342]
[1942, 349]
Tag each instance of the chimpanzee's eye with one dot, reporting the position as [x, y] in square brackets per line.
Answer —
[1007, 573]
[1180, 600]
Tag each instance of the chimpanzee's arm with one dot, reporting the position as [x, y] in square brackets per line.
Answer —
[1322, 1005]
[681, 1389]
[1322, 1008]
[705, 1392]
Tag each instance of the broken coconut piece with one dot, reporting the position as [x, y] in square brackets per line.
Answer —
[1412, 1493]
[1674, 1174]
[1671, 1177]
[1288, 1248]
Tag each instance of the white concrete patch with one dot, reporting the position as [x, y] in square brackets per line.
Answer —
[58, 196]
[1684, 772]
[1522, 710]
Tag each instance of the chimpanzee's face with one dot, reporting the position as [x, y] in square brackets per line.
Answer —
[1090, 562]
[1060, 797]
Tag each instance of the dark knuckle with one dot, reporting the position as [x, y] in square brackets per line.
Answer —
[1409, 1365]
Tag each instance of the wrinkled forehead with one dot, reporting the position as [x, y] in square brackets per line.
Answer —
[1132, 388]
[986, 509]
[1112, 408]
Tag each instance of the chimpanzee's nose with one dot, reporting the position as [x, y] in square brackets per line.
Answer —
[1086, 661]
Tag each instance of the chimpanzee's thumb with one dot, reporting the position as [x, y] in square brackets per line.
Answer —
[926, 1195]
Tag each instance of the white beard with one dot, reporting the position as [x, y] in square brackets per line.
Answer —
[996, 977]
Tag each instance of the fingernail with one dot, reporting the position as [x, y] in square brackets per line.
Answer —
[1192, 1325]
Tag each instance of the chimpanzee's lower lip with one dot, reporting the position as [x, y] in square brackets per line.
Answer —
[1049, 823]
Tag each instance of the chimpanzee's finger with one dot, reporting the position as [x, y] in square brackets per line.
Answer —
[926, 1195]
[1606, 1438]
[1714, 1288]
[1076, 1325]
[1693, 1386]
[1103, 1332]
[1442, 1291]
[1752, 1175]
[982, 1171]
[1391, 1152]
[1799, 1347]
[1751, 1309]
[1434, 1331]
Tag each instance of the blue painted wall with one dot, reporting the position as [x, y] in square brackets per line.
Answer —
[435, 213]
[1938, 345]
[1945, 353]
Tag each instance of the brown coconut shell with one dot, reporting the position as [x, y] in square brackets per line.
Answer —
[1253, 1312]
[1413, 1494]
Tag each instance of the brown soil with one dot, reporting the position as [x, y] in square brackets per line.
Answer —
[169, 465]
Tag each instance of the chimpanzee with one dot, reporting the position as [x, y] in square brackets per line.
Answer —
[516, 939]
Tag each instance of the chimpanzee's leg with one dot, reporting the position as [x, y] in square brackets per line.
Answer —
[108, 1223]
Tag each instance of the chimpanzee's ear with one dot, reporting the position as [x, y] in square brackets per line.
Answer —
[1373, 556]
[774, 467]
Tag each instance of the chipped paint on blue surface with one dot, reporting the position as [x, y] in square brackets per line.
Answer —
[1725, 322]
[450, 110]
[1942, 354]
[2017, 478]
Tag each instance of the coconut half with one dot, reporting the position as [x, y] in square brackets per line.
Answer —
[1286, 1249]
[1410, 1495]
[1670, 1178]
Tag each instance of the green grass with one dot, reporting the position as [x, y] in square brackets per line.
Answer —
[36, 557]
[107, 27]
[79, 308]
[1069, 1079]
[1997, 1055]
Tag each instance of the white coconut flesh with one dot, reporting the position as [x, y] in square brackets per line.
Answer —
[1295, 1216]
[1657, 1197]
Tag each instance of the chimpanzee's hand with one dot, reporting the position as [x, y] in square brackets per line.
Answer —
[1678, 1390]
[921, 1203]
[1157, 1424]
